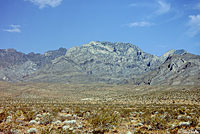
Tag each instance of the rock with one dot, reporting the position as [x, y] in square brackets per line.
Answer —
[179, 117]
[38, 115]
[187, 131]
[184, 124]
[65, 127]
[70, 122]
[9, 119]
[129, 132]
[188, 117]
[15, 131]
[156, 112]
[57, 122]
[198, 129]
[172, 126]
[87, 113]
[133, 121]
[149, 127]
[46, 114]
[139, 124]
[183, 117]
[79, 127]
[65, 110]
[33, 122]
[32, 130]
[87, 99]
[71, 128]
[66, 116]
[37, 118]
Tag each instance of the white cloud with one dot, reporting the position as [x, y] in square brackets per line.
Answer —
[140, 24]
[194, 25]
[161, 6]
[164, 7]
[13, 29]
[44, 3]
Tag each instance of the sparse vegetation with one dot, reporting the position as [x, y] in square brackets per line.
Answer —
[111, 109]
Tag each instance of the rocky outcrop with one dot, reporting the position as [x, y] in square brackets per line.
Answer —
[18, 72]
[171, 53]
[10, 57]
[178, 70]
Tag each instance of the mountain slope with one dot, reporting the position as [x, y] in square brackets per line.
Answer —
[102, 62]
[112, 59]
[9, 57]
[15, 66]
[178, 70]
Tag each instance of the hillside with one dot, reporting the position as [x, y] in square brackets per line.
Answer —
[101, 62]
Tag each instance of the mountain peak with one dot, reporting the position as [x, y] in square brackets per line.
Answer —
[112, 46]
[180, 52]
[172, 52]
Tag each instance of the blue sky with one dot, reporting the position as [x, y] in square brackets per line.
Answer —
[155, 26]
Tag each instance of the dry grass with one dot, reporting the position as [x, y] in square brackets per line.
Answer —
[98, 108]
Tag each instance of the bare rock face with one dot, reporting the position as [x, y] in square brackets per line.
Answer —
[178, 70]
[112, 59]
[101, 62]
[18, 72]
[171, 53]
[16, 66]
[9, 57]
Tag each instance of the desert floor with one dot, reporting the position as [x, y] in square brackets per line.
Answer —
[49, 108]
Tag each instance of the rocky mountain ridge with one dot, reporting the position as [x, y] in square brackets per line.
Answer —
[101, 62]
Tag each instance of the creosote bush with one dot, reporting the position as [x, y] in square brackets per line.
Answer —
[104, 119]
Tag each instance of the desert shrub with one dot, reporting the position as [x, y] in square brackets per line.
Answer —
[3, 115]
[18, 113]
[30, 115]
[125, 112]
[157, 122]
[62, 131]
[104, 120]
[194, 121]
[7, 128]
[46, 130]
[46, 119]
[56, 110]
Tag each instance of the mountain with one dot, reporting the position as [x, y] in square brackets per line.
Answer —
[15, 66]
[171, 53]
[9, 57]
[177, 69]
[101, 62]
